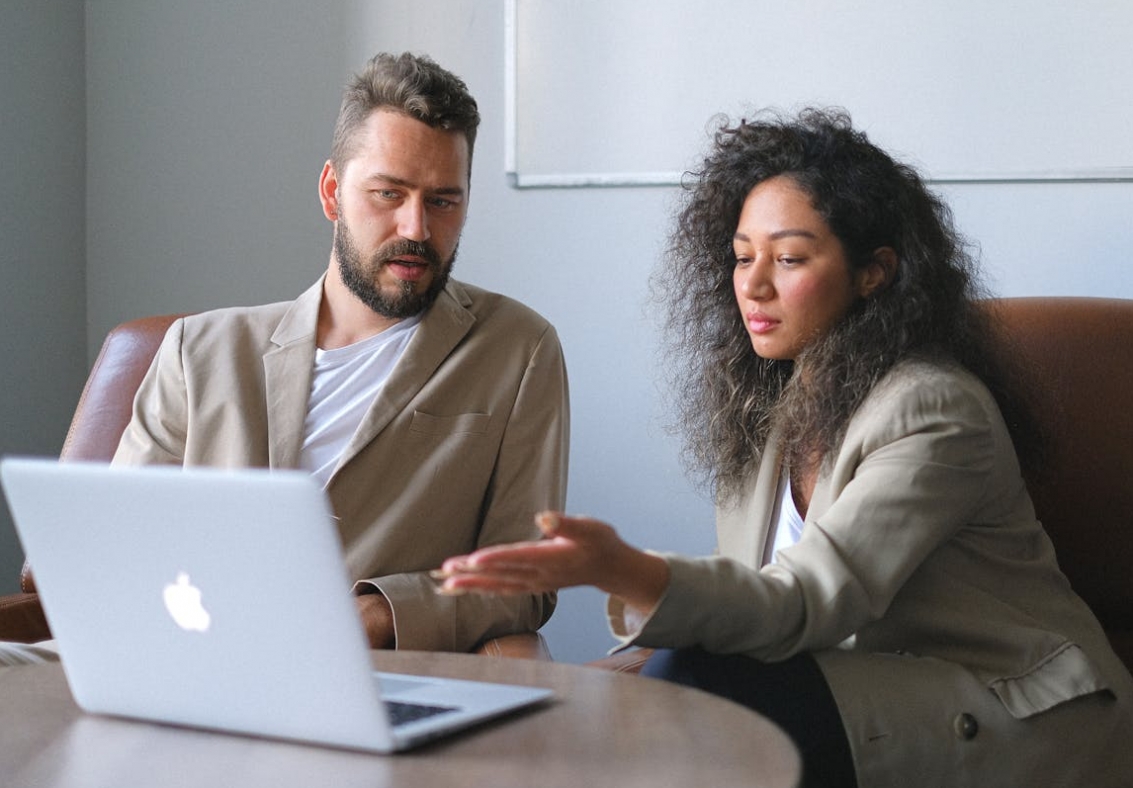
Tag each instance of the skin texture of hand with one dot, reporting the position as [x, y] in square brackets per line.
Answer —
[377, 619]
[576, 551]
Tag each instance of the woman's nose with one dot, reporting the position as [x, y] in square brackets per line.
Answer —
[755, 282]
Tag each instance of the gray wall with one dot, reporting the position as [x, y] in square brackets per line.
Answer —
[42, 274]
[208, 123]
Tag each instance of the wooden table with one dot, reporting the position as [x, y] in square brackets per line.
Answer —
[603, 729]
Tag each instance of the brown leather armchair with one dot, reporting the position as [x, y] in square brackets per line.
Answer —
[99, 421]
[1076, 359]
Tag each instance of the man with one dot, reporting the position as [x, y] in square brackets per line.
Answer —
[435, 413]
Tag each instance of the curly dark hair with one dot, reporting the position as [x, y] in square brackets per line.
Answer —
[727, 397]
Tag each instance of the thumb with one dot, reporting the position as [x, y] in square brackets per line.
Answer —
[549, 523]
[554, 524]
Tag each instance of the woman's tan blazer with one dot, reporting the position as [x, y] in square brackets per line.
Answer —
[930, 596]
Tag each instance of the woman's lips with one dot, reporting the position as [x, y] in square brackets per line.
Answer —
[759, 323]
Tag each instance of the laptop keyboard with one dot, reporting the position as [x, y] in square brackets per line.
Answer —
[402, 713]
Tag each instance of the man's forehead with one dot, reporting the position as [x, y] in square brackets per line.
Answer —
[394, 146]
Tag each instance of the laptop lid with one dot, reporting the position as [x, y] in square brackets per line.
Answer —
[215, 599]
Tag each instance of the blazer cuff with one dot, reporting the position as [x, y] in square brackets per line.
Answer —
[626, 623]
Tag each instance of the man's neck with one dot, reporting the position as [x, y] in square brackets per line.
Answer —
[344, 319]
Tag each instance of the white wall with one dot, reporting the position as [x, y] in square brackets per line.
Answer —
[42, 301]
[209, 122]
[967, 86]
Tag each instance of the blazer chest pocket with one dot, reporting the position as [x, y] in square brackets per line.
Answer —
[460, 424]
[1064, 675]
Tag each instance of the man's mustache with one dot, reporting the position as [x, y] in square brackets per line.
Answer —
[406, 248]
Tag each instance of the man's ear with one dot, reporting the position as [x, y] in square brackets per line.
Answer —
[879, 273]
[328, 191]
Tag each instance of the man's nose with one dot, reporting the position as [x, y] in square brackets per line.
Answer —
[413, 221]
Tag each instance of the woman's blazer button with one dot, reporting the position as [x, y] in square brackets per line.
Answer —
[965, 726]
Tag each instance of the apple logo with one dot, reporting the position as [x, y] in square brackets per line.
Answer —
[183, 601]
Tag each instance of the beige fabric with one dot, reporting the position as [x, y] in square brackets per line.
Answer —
[465, 443]
[928, 591]
[12, 654]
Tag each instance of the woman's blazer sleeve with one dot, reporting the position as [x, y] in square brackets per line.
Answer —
[915, 466]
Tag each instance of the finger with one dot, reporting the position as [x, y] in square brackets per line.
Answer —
[506, 557]
[520, 571]
[470, 584]
[472, 561]
[467, 563]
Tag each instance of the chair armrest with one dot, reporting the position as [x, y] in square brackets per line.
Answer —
[628, 661]
[524, 645]
[22, 619]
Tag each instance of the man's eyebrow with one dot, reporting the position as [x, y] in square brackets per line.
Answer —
[393, 180]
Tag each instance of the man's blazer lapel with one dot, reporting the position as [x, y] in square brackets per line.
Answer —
[287, 377]
[443, 327]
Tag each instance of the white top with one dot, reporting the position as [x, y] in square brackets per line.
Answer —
[344, 385]
[786, 521]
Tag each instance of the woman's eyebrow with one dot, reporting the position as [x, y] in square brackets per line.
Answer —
[779, 234]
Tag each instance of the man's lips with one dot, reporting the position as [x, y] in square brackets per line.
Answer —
[409, 268]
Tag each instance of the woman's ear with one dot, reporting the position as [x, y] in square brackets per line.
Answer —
[879, 273]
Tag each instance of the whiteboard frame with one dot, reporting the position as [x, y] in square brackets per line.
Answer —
[576, 180]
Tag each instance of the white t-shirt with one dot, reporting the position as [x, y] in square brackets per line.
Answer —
[785, 517]
[343, 387]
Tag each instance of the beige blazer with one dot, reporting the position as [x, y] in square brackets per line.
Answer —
[955, 649]
[467, 440]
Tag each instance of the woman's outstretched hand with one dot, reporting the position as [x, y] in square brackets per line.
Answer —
[576, 551]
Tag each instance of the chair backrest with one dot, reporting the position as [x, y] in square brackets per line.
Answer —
[107, 400]
[1076, 359]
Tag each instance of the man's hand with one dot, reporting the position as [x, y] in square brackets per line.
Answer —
[377, 619]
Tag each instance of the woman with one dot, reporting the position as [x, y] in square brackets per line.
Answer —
[882, 589]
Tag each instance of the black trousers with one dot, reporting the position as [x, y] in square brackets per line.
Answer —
[792, 693]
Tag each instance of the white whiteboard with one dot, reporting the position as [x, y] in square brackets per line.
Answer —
[613, 92]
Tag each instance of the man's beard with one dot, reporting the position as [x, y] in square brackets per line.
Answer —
[361, 278]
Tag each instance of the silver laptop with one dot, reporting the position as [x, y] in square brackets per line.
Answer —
[219, 599]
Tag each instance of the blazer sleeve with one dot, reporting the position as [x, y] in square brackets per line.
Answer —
[157, 430]
[530, 475]
[912, 470]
